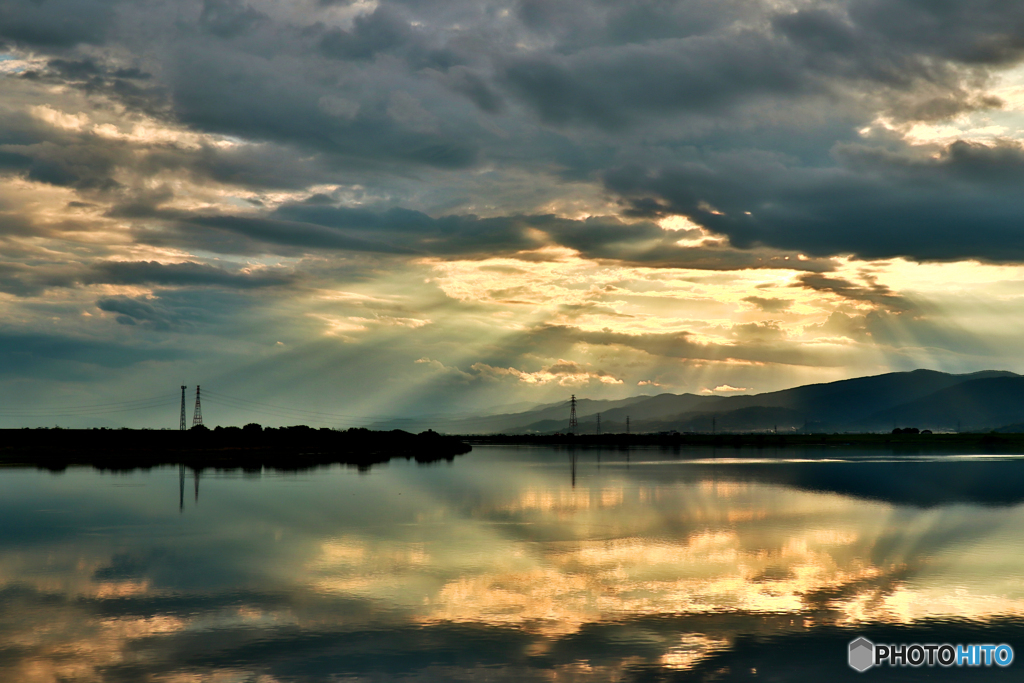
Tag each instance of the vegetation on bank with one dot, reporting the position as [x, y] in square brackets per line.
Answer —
[249, 447]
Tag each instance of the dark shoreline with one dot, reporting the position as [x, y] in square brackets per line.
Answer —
[953, 442]
[288, 448]
[298, 448]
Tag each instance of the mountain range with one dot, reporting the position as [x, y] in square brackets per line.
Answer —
[926, 399]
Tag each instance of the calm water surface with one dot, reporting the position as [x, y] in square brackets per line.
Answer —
[512, 564]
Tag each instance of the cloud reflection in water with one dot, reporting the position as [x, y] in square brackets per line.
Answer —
[493, 564]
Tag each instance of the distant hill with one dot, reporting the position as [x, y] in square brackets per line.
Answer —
[977, 404]
[664, 405]
[848, 401]
[547, 418]
[922, 398]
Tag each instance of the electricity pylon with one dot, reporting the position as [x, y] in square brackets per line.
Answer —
[181, 422]
[197, 415]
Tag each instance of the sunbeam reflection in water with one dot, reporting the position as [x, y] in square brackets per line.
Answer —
[510, 564]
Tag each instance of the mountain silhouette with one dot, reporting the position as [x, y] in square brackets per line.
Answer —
[977, 404]
[926, 399]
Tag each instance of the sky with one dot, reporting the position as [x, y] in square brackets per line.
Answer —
[327, 212]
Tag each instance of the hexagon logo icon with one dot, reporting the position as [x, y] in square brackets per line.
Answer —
[862, 654]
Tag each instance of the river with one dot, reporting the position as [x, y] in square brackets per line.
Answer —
[513, 564]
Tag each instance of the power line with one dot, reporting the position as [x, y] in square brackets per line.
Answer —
[274, 413]
[87, 414]
[84, 411]
[115, 405]
[225, 397]
[246, 402]
[162, 397]
[313, 419]
[286, 413]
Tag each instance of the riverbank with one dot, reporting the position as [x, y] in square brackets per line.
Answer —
[287, 448]
[955, 442]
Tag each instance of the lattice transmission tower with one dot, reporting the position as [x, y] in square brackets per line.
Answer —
[197, 415]
[573, 423]
[599, 424]
[181, 422]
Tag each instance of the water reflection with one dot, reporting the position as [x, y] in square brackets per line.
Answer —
[181, 486]
[510, 564]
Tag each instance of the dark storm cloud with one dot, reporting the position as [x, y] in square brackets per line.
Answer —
[230, 18]
[131, 86]
[301, 227]
[474, 86]
[371, 33]
[610, 87]
[739, 115]
[263, 92]
[180, 274]
[80, 166]
[181, 310]
[37, 276]
[132, 311]
[21, 279]
[56, 23]
[871, 291]
[302, 235]
[15, 222]
[960, 203]
[297, 229]
[823, 48]
[85, 160]
[78, 159]
[257, 167]
[971, 31]
[216, 77]
[577, 24]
